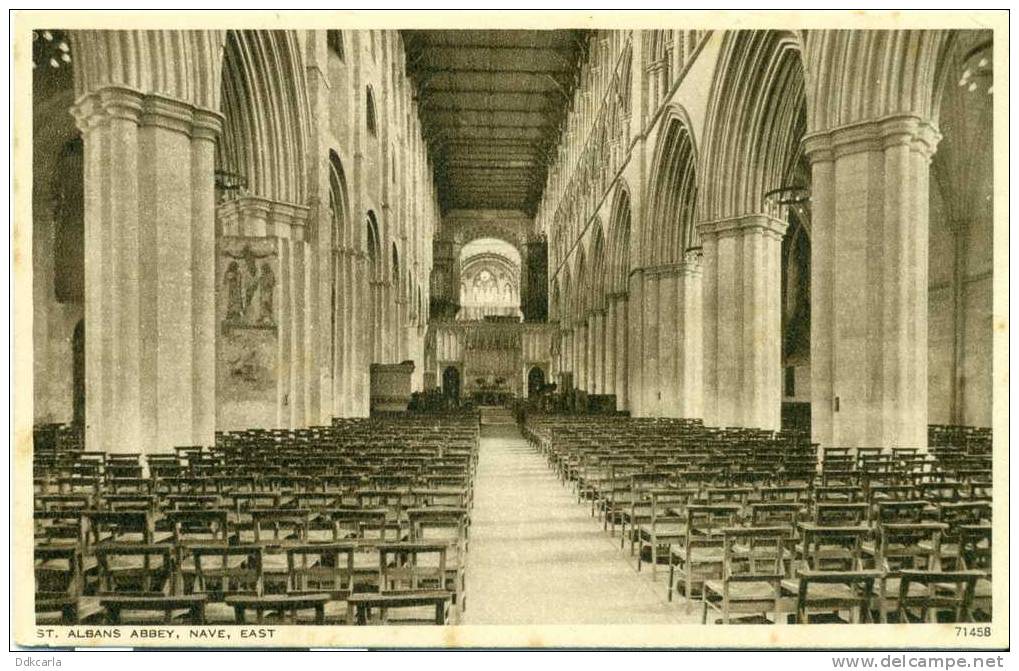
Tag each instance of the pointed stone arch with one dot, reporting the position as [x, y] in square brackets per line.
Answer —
[755, 122]
[619, 240]
[266, 109]
[870, 74]
[672, 193]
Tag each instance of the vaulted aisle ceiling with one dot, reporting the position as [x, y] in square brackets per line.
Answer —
[492, 103]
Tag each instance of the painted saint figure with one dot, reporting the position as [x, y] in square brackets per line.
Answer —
[266, 288]
[234, 292]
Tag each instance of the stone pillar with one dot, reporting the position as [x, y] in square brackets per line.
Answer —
[635, 344]
[580, 354]
[262, 253]
[651, 389]
[350, 356]
[869, 256]
[149, 260]
[402, 349]
[571, 363]
[622, 361]
[592, 353]
[609, 348]
[601, 317]
[668, 342]
[376, 311]
[742, 321]
[392, 329]
[690, 333]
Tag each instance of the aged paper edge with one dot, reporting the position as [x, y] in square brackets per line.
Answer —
[915, 636]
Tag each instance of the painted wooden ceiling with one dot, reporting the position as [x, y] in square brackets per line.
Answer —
[493, 103]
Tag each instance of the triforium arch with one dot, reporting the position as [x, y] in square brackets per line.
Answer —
[755, 122]
[671, 309]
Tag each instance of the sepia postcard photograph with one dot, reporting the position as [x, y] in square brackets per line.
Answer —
[525, 329]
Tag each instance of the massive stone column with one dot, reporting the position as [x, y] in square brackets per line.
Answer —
[870, 191]
[635, 343]
[622, 360]
[609, 353]
[149, 269]
[742, 321]
[567, 356]
[668, 342]
[600, 317]
[651, 388]
[690, 359]
[581, 354]
[263, 315]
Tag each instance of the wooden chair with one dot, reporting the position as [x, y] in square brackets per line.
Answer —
[182, 609]
[697, 556]
[664, 525]
[147, 569]
[137, 586]
[753, 567]
[59, 582]
[835, 591]
[947, 592]
[901, 547]
[360, 607]
[974, 554]
[448, 525]
[221, 571]
[323, 568]
[130, 526]
[60, 527]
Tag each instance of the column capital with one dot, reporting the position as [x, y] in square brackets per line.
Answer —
[110, 102]
[146, 109]
[748, 224]
[618, 296]
[261, 217]
[692, 259]
[662, 270]
[872, 135]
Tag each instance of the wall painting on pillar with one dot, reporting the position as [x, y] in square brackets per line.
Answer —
[247, 314]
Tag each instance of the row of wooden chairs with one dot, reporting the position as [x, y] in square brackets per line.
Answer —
[677, 491]
[340, 524]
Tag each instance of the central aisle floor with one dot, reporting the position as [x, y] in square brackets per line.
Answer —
[538, 557]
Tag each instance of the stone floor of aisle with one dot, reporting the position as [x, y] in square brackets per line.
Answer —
[538, 557]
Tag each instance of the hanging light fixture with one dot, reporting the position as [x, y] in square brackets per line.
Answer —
[50, 47]
[794, 197]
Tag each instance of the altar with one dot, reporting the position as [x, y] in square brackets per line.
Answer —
[488, 362]
[491, 390]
